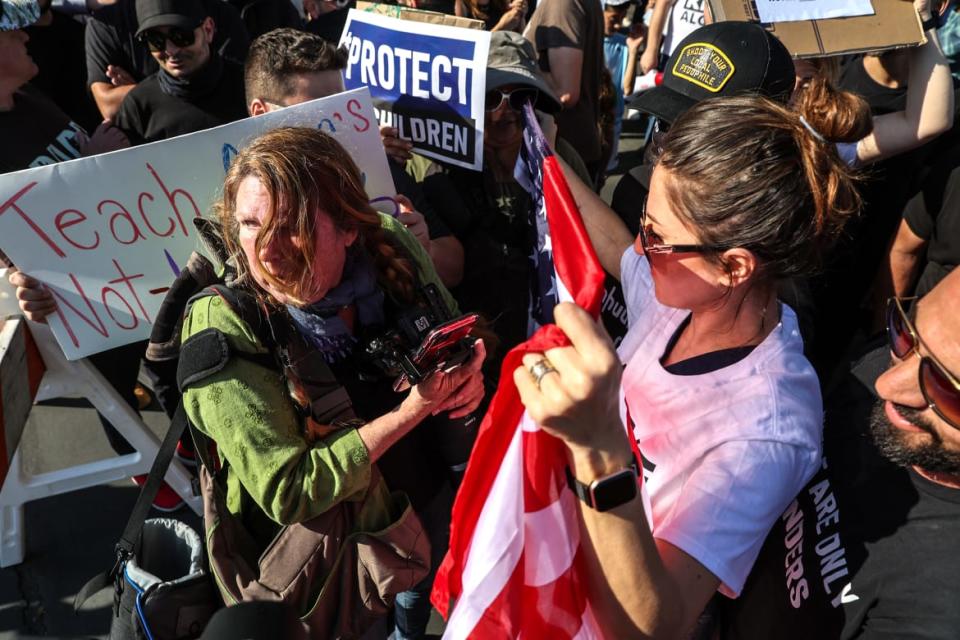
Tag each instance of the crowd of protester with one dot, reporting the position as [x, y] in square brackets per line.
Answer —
[790, 368]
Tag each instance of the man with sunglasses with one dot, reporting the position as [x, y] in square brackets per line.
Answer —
[194, 89]
[869, 547]
[116, 61]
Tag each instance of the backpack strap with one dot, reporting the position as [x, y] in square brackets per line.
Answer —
[131, 532]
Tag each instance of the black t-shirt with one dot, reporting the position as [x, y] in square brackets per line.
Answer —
[407, 186]
[36, 132]
[261, 16]
[57, 48]
[934, 215]
[329, 26]
[147, 114]
[490, 220]
[854, 78]
[110, 39]
[867, 550]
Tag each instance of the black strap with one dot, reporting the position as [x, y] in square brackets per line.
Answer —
[131, 533]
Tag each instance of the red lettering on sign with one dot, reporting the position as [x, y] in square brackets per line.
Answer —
[12, 204]
[79, 218]
[354, 108]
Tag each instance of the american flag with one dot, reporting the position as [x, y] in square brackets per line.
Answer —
[514, 566]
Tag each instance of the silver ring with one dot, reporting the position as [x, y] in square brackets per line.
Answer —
[539, 369]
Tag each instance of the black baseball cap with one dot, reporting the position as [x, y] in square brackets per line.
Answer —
[720, 59]
[185, 14]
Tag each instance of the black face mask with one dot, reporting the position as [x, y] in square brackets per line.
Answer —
[197, 85]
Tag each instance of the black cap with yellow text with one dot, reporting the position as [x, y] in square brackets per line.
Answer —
[720, 59]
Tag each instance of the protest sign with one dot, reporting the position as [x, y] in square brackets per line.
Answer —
[795, 10]
[108, 234]
[427, 80]
[419, 15]
[893, 24]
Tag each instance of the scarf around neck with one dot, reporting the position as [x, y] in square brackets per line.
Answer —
[320, 323]
[199, 84]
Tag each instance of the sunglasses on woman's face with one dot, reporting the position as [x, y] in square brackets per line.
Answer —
[652, 243]
[157, 40]
[516, 98]
[940, 389]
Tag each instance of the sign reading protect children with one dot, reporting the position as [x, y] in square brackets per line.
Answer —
[107, 235]
[426, 80]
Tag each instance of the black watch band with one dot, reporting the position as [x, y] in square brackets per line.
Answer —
[930, 23]
[610, 491]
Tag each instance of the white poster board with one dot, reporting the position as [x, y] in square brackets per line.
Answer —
[108, 234]
[797, 10]
[427, 80]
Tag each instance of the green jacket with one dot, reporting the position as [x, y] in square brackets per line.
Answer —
[245, 408]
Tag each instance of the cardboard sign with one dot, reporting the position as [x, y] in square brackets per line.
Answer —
[797, 10]
[419, 15]
[108, 234]
[894, 24]
[427, 80]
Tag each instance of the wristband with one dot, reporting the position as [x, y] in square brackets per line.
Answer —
[609, 491]
[933, 22]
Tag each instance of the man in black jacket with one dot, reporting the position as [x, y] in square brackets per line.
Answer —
[194, 89]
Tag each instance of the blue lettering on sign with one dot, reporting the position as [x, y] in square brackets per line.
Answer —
[229, 152]
[426, 68]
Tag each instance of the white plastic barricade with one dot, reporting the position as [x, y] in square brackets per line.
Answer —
[78, 378]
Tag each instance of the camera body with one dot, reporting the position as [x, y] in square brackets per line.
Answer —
[425, 337]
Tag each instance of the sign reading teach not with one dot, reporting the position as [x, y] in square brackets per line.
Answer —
[108, 234]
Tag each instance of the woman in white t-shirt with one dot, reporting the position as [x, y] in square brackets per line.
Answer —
[724, 408]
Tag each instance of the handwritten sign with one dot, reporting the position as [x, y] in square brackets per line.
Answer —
[427, 80]
[796, 10]
[108, 234]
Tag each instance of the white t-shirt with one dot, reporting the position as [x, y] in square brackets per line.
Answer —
[724, 452]
[686, 16]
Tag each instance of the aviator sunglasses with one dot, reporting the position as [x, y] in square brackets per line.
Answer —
[940, 389]
[157, 40]
[652, 243]
[516, 98]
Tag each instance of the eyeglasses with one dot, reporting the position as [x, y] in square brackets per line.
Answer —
[940, 389]
[157, 40]
[652, 243]
[515, 98]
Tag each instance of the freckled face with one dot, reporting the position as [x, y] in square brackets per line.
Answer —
[277, 258]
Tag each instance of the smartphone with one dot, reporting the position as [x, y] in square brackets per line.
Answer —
[438, 347]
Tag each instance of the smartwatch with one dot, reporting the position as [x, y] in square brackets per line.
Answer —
[933, 22]
[607, 492]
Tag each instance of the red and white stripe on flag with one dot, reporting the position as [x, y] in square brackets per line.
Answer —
[514, 566]
[21, 369]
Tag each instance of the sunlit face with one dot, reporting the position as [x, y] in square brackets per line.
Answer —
[682, 280]
[182, 62]
[15, 63]
[804, 70]
[613, 19]
[907, 430]
[305, 87]
[330, 245]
